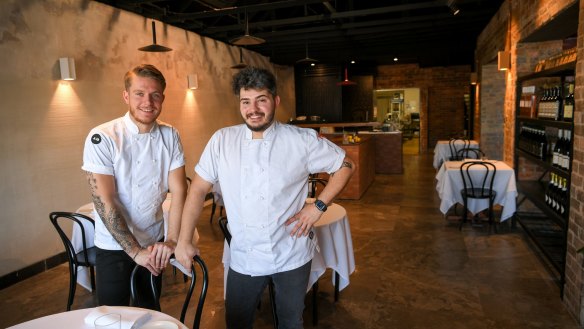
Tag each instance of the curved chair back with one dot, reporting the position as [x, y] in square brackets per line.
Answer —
[469, 153]
[225, 229]
[456, 144]
[193, 275]
[84, 257]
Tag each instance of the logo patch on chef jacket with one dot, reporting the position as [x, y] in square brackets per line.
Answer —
[311, 235]
[96, 139]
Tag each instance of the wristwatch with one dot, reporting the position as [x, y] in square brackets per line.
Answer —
[320, 205]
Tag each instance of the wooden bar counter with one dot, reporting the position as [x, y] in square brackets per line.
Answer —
[363, 153]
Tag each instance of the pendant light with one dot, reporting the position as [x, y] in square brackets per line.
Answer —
[241, 64]
[346, 82]
[154, 48]
[306, 60]
[246, 39]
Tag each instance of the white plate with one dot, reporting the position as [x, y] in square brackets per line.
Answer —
[160, 325]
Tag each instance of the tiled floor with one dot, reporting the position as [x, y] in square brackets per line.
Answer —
[414, 270]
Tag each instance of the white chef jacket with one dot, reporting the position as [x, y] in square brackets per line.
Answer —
[264, 182]
[140, 164]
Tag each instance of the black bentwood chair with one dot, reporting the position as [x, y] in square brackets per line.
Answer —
[478, 178]
[456, 144]
[469, 153]
[85, 257]
[202, 295]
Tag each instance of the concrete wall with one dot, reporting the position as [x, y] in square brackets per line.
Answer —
[44, 121]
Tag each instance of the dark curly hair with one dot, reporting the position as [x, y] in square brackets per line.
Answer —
[254, 78]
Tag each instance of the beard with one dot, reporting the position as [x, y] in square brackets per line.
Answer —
[261, 126]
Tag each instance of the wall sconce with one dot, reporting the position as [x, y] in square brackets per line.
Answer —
[474, 78]
[67, 65]
[503, 60]
[193, 81]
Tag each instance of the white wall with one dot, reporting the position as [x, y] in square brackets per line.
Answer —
[44, 121]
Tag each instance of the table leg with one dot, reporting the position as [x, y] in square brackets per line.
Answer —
[337, 279]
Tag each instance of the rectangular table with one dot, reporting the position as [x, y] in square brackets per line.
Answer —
[442, 151]
[449, 184]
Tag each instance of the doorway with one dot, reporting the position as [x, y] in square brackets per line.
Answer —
[400, 107]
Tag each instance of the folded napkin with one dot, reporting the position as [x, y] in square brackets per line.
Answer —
[178, 265]
[131, 318]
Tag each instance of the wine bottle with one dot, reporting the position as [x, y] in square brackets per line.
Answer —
[569, 104]
[548, 190]
[564, 197]
[542, 145]
[556, 151]
[567, 150]
[557, 102]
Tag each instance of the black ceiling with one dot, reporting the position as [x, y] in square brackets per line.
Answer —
[368, 31]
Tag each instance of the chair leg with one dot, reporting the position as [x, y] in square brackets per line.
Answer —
[315, 304]
[337, 279]
[273, 302]
[72, 285]
[464, 216]
[92, 276]
[213, 211]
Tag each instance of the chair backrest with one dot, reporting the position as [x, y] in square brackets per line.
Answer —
[469, 153]
[313, 182]
[193, 275]
[223, 225]
[56, 218]
[478, 178]
[456, 144]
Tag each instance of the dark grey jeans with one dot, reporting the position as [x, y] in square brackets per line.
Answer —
[243, 294]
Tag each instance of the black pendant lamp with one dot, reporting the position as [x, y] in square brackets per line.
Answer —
[306, 60]
[241, 64]
[246, 39]
[154, 48]
[346, 82]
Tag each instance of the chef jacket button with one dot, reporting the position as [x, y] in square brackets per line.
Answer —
[261, 197]
[249, 249]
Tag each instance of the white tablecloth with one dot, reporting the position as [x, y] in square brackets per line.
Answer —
[442, 151]
[83, 277]
[335, 248]
[75, 319]
[449, 184]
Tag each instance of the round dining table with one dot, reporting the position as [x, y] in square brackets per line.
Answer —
[132, 317]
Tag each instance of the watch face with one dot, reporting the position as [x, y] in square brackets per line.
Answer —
[320, 205]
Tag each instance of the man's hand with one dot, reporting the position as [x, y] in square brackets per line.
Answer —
[160, 253]
[304, 219]
[184, 253]
[142, 258]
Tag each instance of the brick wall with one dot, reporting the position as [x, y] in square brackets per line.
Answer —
[574, 289]
[491, 109]
[442, 92]
[514, 21]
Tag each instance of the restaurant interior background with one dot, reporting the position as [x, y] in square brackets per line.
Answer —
[44, 120]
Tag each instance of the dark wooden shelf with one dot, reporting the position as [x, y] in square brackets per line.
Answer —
[545, 164]
[534, 191]
[567, 69]
[548, 123]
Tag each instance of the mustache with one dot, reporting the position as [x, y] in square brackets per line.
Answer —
[254, 113]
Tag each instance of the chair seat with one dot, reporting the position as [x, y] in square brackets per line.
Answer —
[478, 193]
[91, 256]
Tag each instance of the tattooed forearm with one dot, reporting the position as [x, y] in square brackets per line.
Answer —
[112, 219]
[345, 164]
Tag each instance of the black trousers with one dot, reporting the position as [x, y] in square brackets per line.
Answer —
[113, 270]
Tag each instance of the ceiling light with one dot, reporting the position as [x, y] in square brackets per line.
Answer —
[453, 7]
[246, 39]
[346, 82]
[241, 64]
[193, 81]
[395, 59]
[154, 48]
[307, 59]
